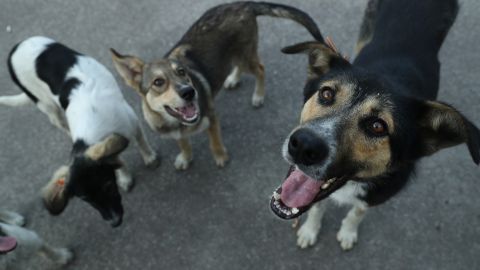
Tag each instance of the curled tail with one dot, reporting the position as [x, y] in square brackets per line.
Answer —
[16, 100]
[284, 11]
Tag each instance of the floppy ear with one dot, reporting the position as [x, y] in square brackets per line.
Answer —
[130, 68]
[109, 148]
[321, 58]
[54, 194]
[442, 126]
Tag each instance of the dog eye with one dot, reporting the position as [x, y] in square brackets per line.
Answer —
[159, 82]
[327, 95]
[377, 127]
[181, 72]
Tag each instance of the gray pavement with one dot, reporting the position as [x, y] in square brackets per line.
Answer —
[209, 218]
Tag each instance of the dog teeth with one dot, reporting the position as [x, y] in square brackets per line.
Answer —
[328, 183]
[276, 203]
[295, 211]
[276, 196]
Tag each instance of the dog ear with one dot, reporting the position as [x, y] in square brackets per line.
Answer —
[109, 148]
[54, 194]
[442, 126]
[321, 58]
[130, 68]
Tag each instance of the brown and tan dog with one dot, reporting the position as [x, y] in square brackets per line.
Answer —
[178, 90]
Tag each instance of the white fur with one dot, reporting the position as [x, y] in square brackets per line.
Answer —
[233, 79]
[182, 162]
[96, 106]
[348, 233]
[28, 242]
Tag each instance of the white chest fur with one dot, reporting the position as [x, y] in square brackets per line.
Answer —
[349, 193]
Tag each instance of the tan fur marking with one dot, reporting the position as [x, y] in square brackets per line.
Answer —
[112, 145]
[373, 154]
[313, 109]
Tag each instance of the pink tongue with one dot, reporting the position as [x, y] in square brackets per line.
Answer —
[188, 111]
[299, 189]
[7, 244]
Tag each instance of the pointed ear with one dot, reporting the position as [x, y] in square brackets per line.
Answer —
[321, 58]
[442, 126]
[179, 51]
[54, 194]
[109, 148]
[130, 68]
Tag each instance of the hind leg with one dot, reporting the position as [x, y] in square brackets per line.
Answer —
[256, 68]
[55, 115]
[233, 80]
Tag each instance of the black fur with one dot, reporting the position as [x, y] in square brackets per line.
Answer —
[398, 68]
[52, 66]
[95, 183]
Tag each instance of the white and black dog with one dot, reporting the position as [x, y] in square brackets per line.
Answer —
[81, 97]
[12, 234]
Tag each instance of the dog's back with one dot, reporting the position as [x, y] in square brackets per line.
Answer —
[407, 46]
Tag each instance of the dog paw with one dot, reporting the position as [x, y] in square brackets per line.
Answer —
[347, 238]
[231, 83]
[125, 182]
[221, 159]
[152, 161]
[15, 219]
[307, 236]
[63, 256]
[181, 162]
[257, 101]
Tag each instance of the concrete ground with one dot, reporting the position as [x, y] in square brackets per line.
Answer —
[210, 218]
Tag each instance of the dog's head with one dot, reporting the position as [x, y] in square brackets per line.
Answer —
[354, 126]
[165, 85]
[91, 177]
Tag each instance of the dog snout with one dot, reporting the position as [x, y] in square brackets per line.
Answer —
[187, 93]
[307, 148]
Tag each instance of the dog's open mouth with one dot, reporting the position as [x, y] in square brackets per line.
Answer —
[7, 244]
[188, 113]
[299, 192]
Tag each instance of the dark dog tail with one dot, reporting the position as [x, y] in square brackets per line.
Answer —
[284, 11]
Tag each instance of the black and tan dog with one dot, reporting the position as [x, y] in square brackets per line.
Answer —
[178, 91]
[364, 125]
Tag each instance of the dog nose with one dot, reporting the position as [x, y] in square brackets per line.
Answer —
[307, 148]
[187, 93]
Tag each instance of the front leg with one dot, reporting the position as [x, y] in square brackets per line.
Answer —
[124, 179]
[307, 234]
[148, 154]
[11, 218]
[185, 156]
[348, 233]
[219, 151]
